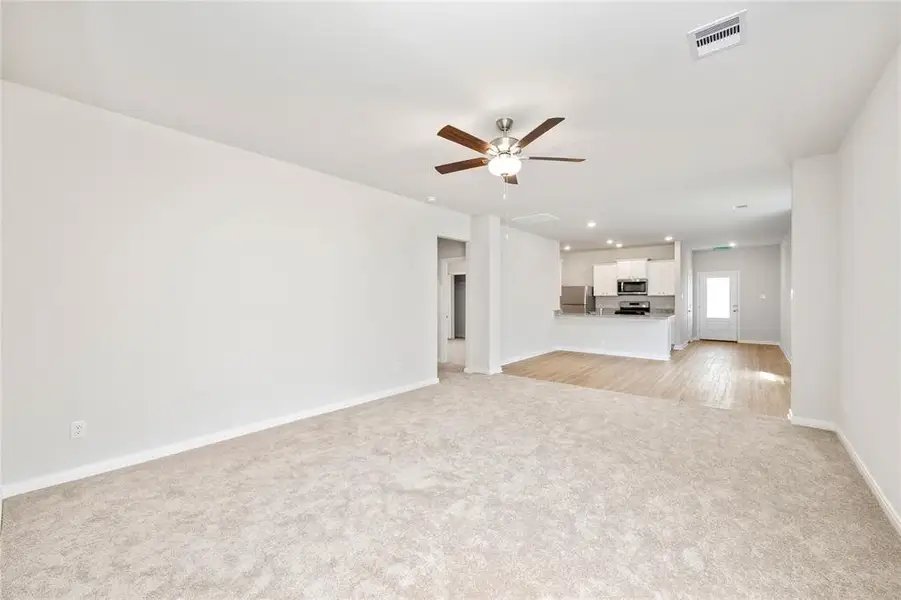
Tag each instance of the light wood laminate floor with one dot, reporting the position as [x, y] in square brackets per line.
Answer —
[746, 377]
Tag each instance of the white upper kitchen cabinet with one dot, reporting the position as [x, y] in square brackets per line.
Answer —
[661, 278]
[605, 276]
[640, 269]
[632, 269]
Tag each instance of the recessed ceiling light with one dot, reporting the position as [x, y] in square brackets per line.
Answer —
[732, 244]
[431, 199]
[609, 241]
[619, 245]
[591, 224]
[737, 206]
[566, 248]
[668, 238]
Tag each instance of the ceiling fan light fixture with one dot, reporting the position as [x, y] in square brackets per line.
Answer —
[504, 164]
[502, 154]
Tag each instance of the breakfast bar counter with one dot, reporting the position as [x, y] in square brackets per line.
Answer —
[636, 336]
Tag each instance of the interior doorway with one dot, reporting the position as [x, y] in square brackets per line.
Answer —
[459, 310]
[451, 304]
[718, 306]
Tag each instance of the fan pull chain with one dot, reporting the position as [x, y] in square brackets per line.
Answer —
[506, 213]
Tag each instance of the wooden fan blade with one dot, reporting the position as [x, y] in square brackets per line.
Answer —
[462, 165]
[511, 179]
[539, 131]
[555, 158]
[449, 132]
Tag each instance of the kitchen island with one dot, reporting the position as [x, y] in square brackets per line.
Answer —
[635, 336]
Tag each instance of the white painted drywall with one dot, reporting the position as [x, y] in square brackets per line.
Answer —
[785, 293]
[870, 251]
[642, 337]
[1, 291]
[759, 275]
[685, 321]
[483, 296]
[162, 287]
[815, 310]
[679, 299]
[530, 294]
[578, 267]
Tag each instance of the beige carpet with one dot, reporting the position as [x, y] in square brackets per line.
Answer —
[480, 487]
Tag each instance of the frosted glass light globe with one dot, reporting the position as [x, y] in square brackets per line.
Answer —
[504, 164]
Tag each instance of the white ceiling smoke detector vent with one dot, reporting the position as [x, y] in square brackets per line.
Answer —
[724, 33]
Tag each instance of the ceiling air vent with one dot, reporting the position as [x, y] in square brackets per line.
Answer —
[534, 219]
[727, 32]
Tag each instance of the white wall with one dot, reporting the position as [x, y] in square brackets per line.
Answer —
[530, 294]
[685, 319]
[846, 237]
[678, 299]
[162, 287]
[815, 308]
[759, 274]
[785, 293]
[578, 266]
[1, 294]
[483, 296]
[869, 412]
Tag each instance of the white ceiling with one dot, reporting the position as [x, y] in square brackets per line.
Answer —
[359, 91]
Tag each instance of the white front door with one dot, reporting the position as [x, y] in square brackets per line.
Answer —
[718, 306]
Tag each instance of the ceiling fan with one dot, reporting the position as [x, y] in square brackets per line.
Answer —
[503, 155]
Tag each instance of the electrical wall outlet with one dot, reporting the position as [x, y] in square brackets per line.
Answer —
[78, 429]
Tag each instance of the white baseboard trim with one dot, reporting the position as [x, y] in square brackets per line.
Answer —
[681, 346]
[890, 512]
[758, 342]
[526, 356]
[469, 371]
[128, 460]
[785, 354]
[623, 354]
[814, 423]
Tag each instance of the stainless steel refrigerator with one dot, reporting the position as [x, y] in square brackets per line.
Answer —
[577, 299]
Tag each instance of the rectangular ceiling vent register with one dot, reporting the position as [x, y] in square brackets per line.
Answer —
[724, 33]
[534, 219]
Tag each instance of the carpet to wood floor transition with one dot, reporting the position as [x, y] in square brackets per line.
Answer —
[479, 487]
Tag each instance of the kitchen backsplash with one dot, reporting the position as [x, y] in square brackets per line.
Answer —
[658, 303]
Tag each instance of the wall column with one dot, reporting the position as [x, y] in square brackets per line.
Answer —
[483, 296]
[815, 314]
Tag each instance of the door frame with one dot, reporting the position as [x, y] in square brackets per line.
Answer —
[449, 268]
[697, 301]
[452, 332]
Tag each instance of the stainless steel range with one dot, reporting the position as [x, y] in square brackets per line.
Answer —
[642, 307]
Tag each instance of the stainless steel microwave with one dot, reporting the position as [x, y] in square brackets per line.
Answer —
[632, 287]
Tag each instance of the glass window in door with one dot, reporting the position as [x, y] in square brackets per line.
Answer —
[719, 303]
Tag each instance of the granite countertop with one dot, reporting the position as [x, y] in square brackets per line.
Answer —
[650, 317]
